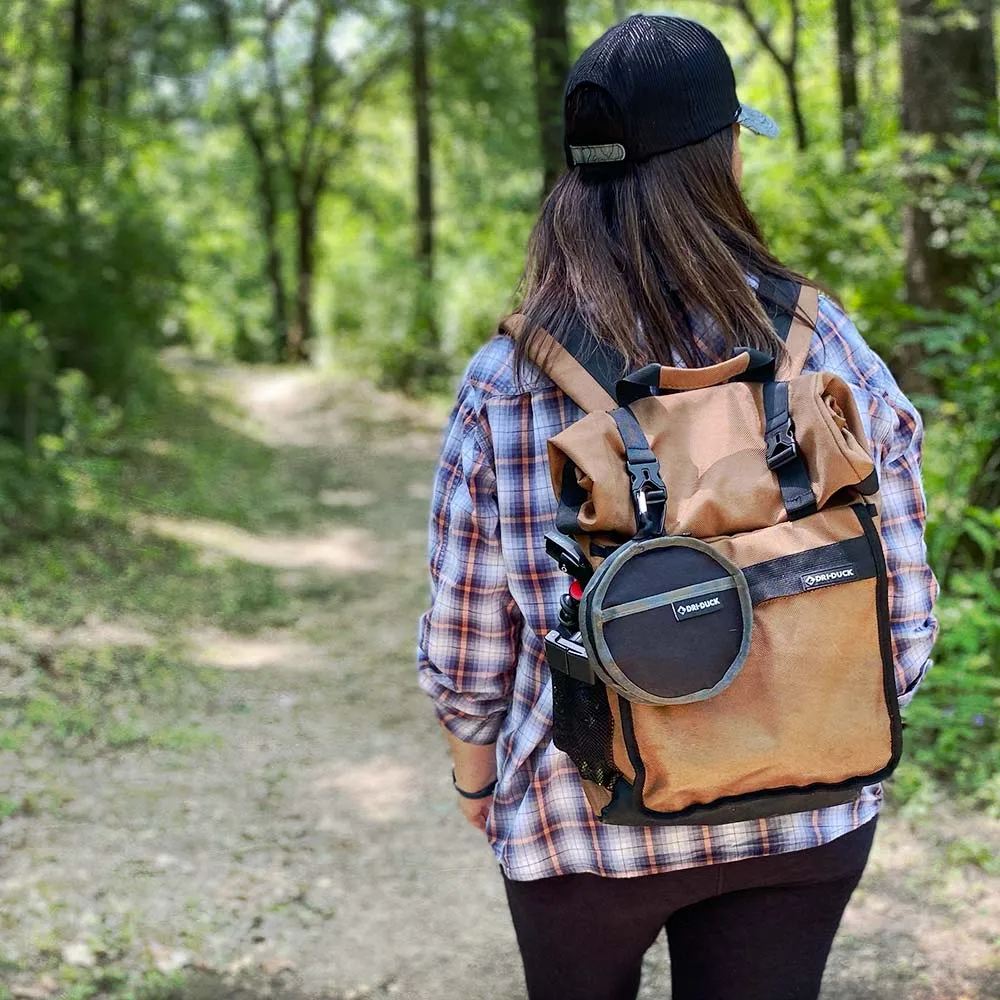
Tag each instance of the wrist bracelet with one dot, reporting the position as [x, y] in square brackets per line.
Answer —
[483, 793]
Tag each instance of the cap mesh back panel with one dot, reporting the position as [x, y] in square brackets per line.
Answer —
[670, 76]
[583, 727]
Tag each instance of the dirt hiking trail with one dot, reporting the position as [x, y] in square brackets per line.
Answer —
[314, 851]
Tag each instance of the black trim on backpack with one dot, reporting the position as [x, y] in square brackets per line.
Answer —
[571, 498]
[627, 808]
[621, 810]
[603, 551]
[868, 486]
[644, 381]
[864, 514]
[828, 565]
[760, 369]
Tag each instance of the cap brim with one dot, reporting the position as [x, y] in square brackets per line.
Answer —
[757, 121]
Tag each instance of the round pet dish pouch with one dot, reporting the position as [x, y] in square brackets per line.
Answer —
[667, 620]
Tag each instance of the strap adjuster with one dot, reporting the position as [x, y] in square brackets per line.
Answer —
[781, 446]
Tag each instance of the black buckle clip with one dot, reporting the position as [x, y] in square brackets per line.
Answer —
[648, 490]
[781, 446]
[646, 476]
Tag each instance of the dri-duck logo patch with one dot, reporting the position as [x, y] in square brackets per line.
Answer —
[826, 577]
[692, 609]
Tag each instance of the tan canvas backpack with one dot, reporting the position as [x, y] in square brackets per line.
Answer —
[724, 651]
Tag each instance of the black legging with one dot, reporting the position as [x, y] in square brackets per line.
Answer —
[759, 929]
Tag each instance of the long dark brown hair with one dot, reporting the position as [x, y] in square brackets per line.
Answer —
[632, 252]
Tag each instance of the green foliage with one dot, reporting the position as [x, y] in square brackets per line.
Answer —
[955, 721]
[953, 727]
[973, 853]
[86, 280]
[114, 696]
[87, 276]
[114, 981]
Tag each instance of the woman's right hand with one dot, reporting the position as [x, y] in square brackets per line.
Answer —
[476, 811]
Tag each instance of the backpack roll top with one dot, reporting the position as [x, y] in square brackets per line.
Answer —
[711, 447]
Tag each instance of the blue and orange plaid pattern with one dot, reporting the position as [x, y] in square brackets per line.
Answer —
[495, 593]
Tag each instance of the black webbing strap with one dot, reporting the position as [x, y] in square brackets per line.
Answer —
[649, 495]
[571, 499]
[778, 297]
[643, 382]
[783, 456]
[602, 361]
[605, 365]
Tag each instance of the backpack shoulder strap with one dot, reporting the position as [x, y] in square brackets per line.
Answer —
[585, 379]
[793, 309]
[799, 339]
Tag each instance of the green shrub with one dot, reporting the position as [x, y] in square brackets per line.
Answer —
[952, 725]
[87, 277]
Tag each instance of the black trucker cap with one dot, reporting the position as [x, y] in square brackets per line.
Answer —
[671, 83]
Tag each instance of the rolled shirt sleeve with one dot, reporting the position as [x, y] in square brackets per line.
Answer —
[469, 638]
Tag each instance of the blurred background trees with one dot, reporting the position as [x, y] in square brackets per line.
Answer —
[353, 183]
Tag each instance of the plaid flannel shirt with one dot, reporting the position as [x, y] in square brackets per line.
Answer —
[495, 593]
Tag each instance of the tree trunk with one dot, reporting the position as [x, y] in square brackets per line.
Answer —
[31, 44]
[798, 119]
[267, 197]
[102, 72]
[300, 333]
[267, 201]
[949, 87]
[787, 64]
[77, 72]
[948, 66]
[949, 80]
[874, 48]
[551, 58]
[847, 70]
[425, 312]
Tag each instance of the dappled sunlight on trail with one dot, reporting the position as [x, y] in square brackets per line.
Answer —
[339, 549]
[382, 789]
[274, 651]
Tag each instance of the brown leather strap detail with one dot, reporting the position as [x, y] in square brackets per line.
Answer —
[702, 378]
[800, 334]
[561, 367]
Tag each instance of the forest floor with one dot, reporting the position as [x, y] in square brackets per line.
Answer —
[218, 780]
